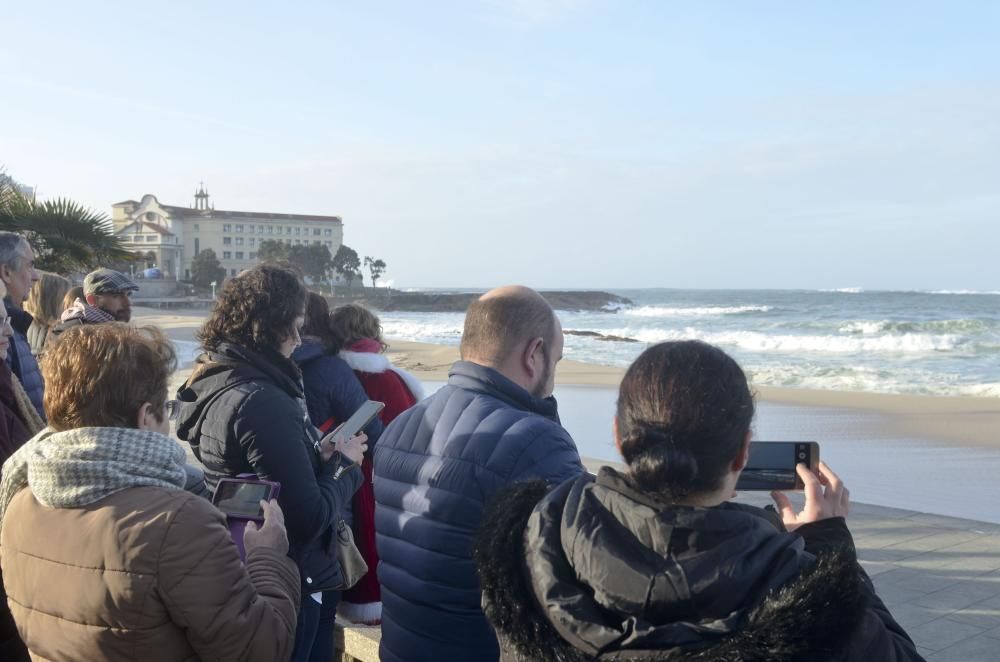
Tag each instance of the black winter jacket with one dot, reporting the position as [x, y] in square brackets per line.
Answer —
[595, 570]
[243, 412]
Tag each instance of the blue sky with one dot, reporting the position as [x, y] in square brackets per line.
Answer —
[558, 143]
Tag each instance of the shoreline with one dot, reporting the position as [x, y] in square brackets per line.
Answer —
[963, 420]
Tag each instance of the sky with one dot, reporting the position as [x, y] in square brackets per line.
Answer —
[555, 143]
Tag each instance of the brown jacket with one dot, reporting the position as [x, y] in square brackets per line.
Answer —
[144, 574]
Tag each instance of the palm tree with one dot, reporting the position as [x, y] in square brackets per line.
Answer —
[65, 235]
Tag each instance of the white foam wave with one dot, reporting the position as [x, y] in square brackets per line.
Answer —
[697, 311]
[906, 343]
[988, 292]
[846, 290]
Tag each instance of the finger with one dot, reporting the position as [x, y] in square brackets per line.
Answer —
[784, 506]
[845, 501]
[249, 531]
[360, 439]
[835, 486]
[275, 512]
[811, 486]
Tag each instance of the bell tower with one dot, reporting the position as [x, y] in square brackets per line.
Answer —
[201, 197]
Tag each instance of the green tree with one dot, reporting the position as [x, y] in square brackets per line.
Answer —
[376, 268]
[347, 263]
[64, 235]
[205, 269]
[271, 250]
[313, 259]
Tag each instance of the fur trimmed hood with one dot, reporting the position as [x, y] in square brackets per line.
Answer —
[809, 616]
[379, 363]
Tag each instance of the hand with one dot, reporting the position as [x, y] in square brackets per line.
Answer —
[353, 449]
[826, 497]
[271, 534]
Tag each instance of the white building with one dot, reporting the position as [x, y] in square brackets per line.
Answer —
[171, 236]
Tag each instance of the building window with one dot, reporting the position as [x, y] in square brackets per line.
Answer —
[316, 242]
[196, 249]
[195, 227]
[227, 255]
[328, 243]
[316, 232]
[298, 241]
[227, 227]
[227, 241]
[260, 229]
[328, 232]
[253, 242]
[239, 227]
[251, 228]
[239, 241]
[253, 256]
[187, 274]
[298, 231]
[270, 229]
[150, 237]
[232, 273]
[239, 255]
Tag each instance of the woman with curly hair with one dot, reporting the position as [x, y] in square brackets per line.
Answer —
[243, 412]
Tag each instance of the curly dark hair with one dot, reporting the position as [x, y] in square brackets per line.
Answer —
[256, 309]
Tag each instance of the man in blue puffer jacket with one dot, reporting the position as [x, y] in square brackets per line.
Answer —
[17, 270]
[438, 464]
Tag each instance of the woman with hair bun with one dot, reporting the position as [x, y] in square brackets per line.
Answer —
[655, 562]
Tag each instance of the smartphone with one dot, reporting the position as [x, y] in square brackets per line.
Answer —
[771, 465]
[239, 499]
[360, 419]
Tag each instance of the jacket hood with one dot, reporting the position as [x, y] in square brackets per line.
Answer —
[591, 571]
[218, 371]
[309, 350]
[478, 378]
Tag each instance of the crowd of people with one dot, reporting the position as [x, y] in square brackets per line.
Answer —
[484, 536]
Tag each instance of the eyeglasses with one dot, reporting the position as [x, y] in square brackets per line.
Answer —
[172, 407]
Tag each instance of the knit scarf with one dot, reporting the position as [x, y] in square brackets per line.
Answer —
[78, 467]
[89, 314]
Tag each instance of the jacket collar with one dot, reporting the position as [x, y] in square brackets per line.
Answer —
[811, 616]
[481, 379]
[20, 318]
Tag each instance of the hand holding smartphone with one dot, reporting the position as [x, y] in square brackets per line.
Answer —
[347, 437]
[241, 500]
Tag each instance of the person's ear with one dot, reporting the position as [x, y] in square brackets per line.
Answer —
[531, 357]
[90, 299]
[144, 417]
[618, 437]
[744, 455]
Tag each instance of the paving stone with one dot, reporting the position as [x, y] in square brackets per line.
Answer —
[893, 595]
[942, 633]
[910, 616]
[984, 614]
[976, 649]
[960, 595]
[937, 541]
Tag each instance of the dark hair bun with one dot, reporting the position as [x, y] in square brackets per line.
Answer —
[656, 463]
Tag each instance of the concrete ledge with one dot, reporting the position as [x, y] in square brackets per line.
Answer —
[356, 643]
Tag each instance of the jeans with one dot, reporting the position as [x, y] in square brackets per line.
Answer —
[305, 629]
[322, 650]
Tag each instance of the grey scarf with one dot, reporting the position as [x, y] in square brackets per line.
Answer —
[78, 467]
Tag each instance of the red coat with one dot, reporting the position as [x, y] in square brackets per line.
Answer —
[399, 391]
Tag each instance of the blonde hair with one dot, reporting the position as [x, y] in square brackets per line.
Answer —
[46, 298]
[352, 322]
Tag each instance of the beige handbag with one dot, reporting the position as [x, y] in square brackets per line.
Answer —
[352, 564]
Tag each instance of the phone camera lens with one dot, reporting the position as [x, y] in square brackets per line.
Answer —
[802, 455]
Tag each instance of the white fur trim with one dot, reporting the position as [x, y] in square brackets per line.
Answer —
[370, 612]
[377, 364]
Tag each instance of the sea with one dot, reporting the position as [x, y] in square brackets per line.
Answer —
[911, 342]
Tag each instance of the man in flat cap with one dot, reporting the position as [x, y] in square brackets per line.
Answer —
[108, 299]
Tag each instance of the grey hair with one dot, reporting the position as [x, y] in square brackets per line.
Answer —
[10, 242]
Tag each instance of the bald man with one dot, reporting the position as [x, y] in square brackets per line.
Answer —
[436, 466]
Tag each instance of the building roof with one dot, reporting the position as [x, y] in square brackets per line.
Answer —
[221, 214]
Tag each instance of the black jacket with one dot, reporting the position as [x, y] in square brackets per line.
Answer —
[244, 412]
[597, 570]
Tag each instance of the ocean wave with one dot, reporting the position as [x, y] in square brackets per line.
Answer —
[986, 292]
[868, 379]
[877, 327]
[696, 311]
[846, 290]
[754, 341]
